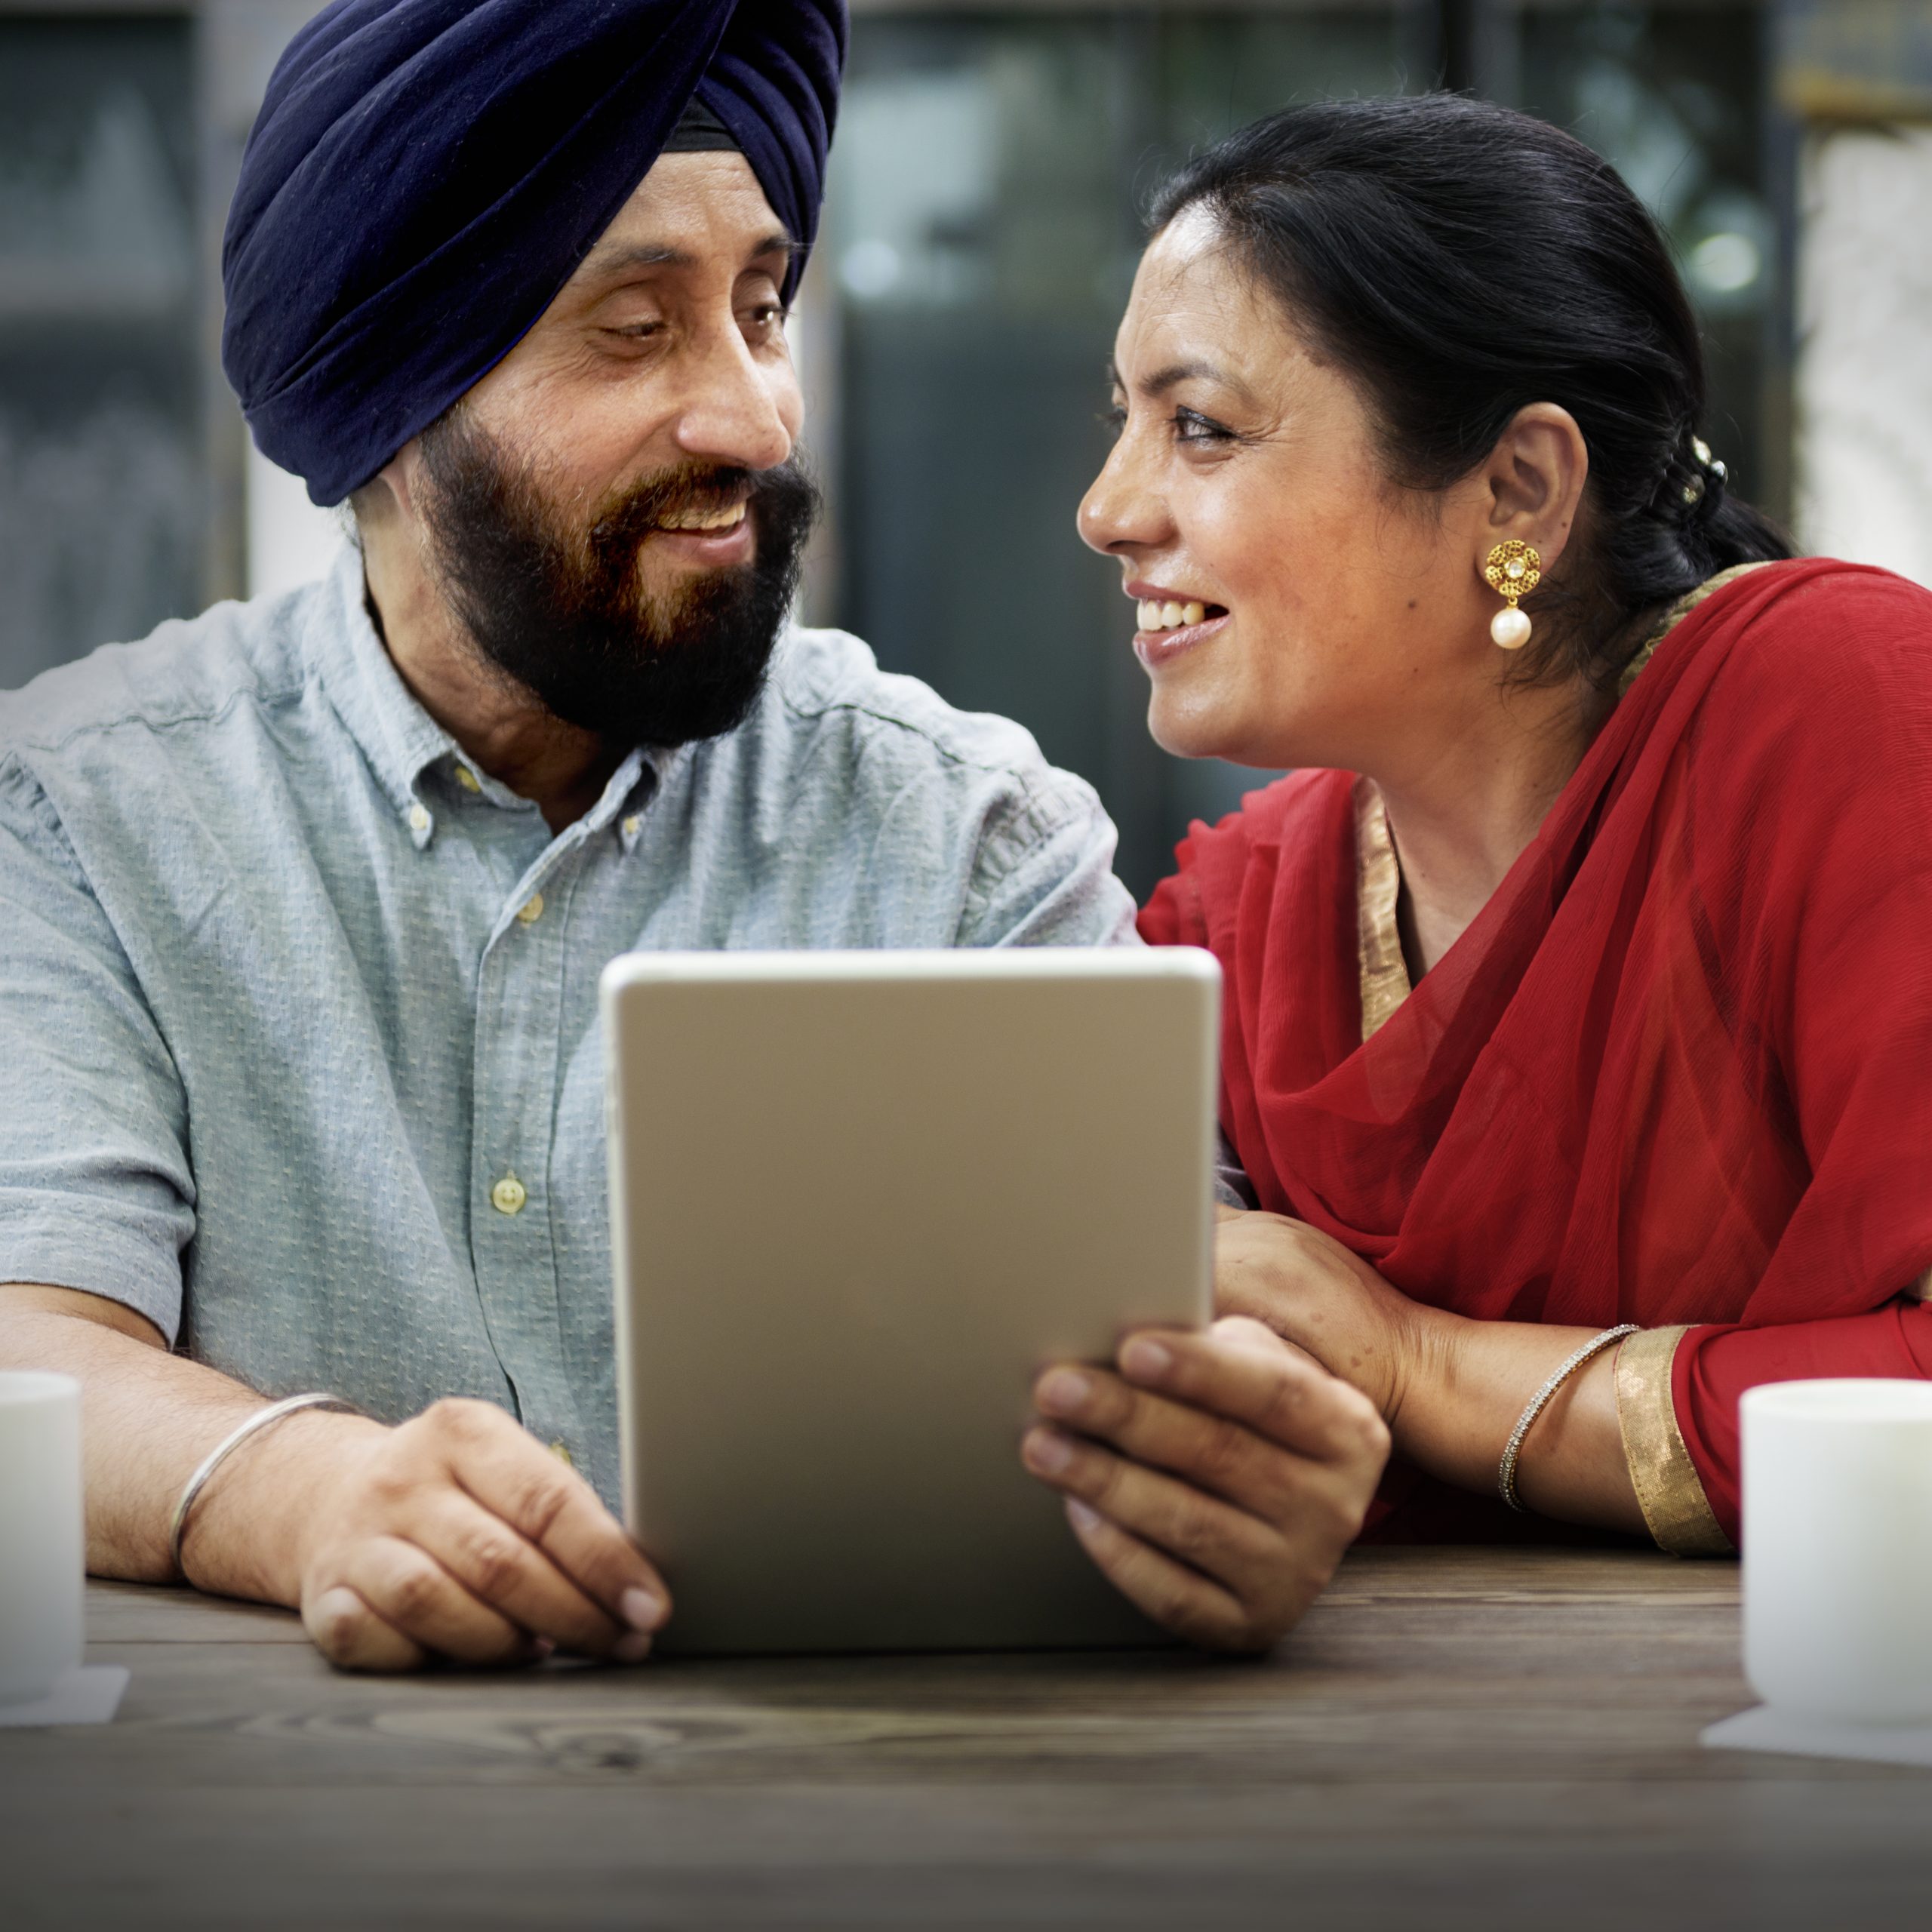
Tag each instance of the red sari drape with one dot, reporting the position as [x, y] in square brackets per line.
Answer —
[1679, 1069]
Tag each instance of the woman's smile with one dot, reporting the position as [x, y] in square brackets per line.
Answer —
[1170, 623]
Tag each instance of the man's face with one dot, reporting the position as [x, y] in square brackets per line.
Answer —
[614, 511]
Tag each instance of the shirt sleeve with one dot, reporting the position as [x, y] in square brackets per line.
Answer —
[1669, 1490]
[96, 1192]
[1713, 1366]
[1233, 1187]
[1044, 874]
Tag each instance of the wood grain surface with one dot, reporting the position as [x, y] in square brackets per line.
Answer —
[1476, 1739]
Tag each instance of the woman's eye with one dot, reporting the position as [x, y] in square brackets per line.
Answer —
[1115, 419]
[1191, 428]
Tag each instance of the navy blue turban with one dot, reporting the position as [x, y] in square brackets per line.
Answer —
[425, 175]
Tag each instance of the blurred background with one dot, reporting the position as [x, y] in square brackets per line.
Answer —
[979, 238]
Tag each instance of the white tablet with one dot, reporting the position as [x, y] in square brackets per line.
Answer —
[858, 1200]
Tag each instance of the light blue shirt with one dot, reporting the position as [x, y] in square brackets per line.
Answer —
[298, 1019]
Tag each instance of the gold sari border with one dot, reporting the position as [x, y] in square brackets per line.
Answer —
[1668, 1489]
[1675, 615]
[1384, 974]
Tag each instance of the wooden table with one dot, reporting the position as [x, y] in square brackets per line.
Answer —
[1455, 1739]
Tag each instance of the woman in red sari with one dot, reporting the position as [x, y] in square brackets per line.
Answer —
[1570, 988]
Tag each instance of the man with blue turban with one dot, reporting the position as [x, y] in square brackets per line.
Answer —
[306, 899]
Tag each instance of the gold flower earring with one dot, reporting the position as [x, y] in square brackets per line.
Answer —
[1513, 569]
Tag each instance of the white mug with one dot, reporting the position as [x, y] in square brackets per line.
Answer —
[43, 1552]
[1838, 1549]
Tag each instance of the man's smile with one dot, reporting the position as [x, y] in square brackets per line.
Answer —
[728, 518]
[712, 539]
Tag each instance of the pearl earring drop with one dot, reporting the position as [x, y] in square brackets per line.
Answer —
[1512, 570]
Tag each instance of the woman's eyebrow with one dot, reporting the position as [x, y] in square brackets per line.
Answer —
[1174, 374]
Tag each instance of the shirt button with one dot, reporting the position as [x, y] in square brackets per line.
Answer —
[507, 1196]
[563, 1455]
[468, 780]
[419, 818]
[632, 826]
[531, 910]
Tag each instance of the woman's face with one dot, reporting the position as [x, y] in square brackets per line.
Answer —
[1338, 614]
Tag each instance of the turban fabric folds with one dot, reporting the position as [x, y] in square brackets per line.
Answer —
[425, 175]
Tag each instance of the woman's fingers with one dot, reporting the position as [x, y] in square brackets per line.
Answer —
[410, 1591]
[1225, 1458]
[513, 1576]
[352, 1637]
[1241, 1369]
[1216, 1478]
[1201, 1531]
[1177, 1599]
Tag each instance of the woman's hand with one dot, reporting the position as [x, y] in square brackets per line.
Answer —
[1449, 1388]
[1216, 1479]
[1311, 1290]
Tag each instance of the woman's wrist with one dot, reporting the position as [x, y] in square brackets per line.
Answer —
[1427, 1403]
[1469, 1382]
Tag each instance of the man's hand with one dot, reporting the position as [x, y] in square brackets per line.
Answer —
[1216, 1478]
[457, 1536]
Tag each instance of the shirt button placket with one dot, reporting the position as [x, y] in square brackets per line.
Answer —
[516, 1053]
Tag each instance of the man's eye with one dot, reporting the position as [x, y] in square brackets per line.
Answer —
[638, 331]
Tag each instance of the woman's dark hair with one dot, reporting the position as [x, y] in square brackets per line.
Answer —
[1458, 260]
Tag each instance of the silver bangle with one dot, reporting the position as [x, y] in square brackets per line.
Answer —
[261, 1420]
[1506, 1475]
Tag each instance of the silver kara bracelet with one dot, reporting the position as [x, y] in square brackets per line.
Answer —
[1506, 1475]
[261, 1420]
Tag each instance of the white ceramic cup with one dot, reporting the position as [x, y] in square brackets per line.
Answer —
[43, 1550]
[1838, 1549]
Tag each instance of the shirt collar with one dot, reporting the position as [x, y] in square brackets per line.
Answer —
[402, 741]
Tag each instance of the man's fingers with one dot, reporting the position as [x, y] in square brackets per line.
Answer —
[513, 1476]
[1200, 1530]
[1240, 1369]
[410, 1590]
[502, 1569]
[1179, 1599]
[352, 1637]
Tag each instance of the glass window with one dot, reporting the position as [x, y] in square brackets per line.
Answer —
[983, 228]
[1673, 96]
[101, 488]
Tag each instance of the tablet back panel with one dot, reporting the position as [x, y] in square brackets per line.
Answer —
[858, 1200]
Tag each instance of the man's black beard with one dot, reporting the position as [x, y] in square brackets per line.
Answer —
[564, 613]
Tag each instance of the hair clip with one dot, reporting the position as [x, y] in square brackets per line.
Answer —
[1693, 490]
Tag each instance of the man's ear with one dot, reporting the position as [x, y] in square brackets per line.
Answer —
[389, 496]
[1533, 481]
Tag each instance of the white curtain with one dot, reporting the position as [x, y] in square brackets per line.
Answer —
[1865, 351]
